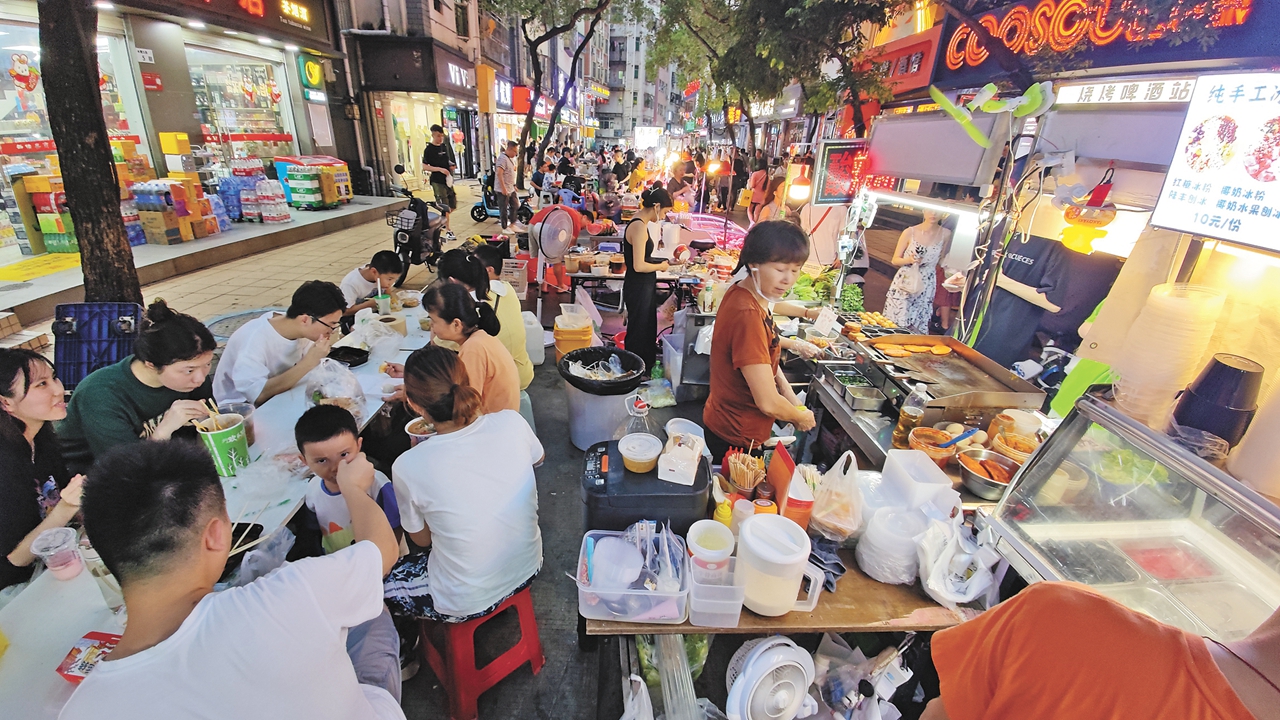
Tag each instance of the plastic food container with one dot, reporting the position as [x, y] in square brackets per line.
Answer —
[1015, 447]
[711, 544]
[640, 452]
[1154, 603]
[927, 440]
[716, 601]
[627, 605]
[1228, 609]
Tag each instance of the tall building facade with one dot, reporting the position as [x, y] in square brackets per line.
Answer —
[637, 97]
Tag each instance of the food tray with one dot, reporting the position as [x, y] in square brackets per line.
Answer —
[631, 605]
[1230, 610]
[1170, 559]
[1152, 601]
[1092, 562]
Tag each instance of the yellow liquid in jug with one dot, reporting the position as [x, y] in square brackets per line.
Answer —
[712, 541]
[770, 595]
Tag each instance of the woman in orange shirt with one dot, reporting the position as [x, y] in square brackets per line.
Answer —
[748, 391]
[474, 327]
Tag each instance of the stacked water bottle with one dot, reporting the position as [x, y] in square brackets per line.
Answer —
[271, 202]
[220, 212]
[245, 174]
[132, 222]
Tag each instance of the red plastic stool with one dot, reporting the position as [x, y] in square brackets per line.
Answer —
[455, 664]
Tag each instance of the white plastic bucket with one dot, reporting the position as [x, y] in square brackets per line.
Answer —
[593, 418]
[534, 340]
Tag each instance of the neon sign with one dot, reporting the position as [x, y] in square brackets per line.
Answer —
[298, 12]
[1062, 25]
[255, 8]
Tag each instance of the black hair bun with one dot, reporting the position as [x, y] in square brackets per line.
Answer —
[159, 311]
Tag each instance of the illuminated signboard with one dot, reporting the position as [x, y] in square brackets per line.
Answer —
[311, 71]
[841, 169]
[1128, 92]
[1224, 179]
[502, 91]
[302, 19]
[1095, 36]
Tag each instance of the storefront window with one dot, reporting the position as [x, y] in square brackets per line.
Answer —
[243, 104]
[25, 135]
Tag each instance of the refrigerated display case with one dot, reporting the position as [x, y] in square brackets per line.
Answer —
[1110, 503]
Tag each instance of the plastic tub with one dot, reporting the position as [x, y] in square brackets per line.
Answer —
[927, 440]
[593, 418]
[914, 477]
[716, 601]
[640, 452]
[630, 605]
[711, 544]
[533, 338]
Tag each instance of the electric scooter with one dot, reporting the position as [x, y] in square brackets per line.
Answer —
[418, 230]
[488, 205]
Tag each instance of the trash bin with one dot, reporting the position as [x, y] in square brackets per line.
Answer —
[596, 407]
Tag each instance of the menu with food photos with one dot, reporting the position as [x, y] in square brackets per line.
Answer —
[1224, 178]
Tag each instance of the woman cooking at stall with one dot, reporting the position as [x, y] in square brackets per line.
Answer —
[748, 391]
[640, 287]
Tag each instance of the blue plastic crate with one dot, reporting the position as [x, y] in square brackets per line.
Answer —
[89, 336]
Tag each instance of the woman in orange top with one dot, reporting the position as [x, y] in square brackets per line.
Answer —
[748, 391]
[474, 326]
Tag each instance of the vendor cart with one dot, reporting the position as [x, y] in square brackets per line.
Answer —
[1110, 503]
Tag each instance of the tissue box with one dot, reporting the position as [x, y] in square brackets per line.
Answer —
[680, 459]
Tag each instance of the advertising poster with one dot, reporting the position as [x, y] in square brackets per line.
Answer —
[841, 166]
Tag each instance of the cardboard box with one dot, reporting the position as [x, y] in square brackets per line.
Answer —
[180, 163]
[42, 183]
[9, 324]
[174, 143]
[54, 164]
[211, 226]
[53, 202]
[27, 340]
[163, 237]
[161, 221]
[186, 227]
[206, 207]
[128, 148]
[50, 223]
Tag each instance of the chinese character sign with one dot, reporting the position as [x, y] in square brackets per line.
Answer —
[840, 172]
[1224, 178]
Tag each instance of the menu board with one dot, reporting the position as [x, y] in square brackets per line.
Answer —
[1224, 179]
[841, 168]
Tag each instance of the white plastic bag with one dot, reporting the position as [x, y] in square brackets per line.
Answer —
[837, 505]
[954, 568]
[887, 550]
[382, 342]
[636, 704]
[702, 345]
[332, 383]
[262, 559]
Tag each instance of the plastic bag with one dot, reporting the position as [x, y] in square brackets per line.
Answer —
[696, 647]
[954, 568]
[837, 506]
[702, 345]
[332, 383]
[636, 704]
[264, 558]
[382, 341]
[658, 393]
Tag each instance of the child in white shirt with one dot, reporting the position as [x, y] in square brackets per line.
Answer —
[362, 283]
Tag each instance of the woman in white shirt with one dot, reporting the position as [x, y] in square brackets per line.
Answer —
[476, 510]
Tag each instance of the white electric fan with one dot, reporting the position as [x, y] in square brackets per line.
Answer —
[554, 235]
[769, 679]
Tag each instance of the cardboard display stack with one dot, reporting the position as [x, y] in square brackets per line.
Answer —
[12, 336]
[175, 210]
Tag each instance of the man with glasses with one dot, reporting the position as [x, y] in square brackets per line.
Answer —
[270, 354]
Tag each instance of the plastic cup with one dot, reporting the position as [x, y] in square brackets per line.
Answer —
[384, 303]
[244, 410]
[56, 547]
[228, 444]
[711, 544]
[1229, 381]
[419, 429]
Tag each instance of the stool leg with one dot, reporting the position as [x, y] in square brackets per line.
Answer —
[529, 637]
[461, 653]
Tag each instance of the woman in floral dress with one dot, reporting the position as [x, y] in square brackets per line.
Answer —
[909, 303]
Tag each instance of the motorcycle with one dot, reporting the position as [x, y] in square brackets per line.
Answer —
[419, 230]
[488, 205]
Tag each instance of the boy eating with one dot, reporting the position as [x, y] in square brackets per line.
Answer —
[362, 283]
[327, 436]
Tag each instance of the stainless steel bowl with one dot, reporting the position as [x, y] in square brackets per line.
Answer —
[863, 398]
[979, 485]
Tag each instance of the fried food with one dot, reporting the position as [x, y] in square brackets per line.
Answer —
[918, 348]
[940, 350]
[894, 351]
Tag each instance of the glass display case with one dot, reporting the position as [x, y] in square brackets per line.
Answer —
[1107, 502]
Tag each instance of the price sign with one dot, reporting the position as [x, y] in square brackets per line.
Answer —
[1224, 179]
[827, 321]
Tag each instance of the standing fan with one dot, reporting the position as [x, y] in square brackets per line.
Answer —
[556, 232]
[769, 679]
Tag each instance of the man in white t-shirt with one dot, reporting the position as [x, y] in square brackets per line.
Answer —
[361, 284]
[270, 354]
[476, 509]
[275, 648]
[504, 187]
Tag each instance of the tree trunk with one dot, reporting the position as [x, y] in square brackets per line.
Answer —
[813, 129]
[751, 130]
[569, 84]
[69, 61]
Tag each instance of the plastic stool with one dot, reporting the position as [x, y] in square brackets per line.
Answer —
[456, 667]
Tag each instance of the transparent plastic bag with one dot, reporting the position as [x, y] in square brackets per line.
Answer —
[264, 558]
[383, 342]
[636, 705]
[837, 506]
[333, 383]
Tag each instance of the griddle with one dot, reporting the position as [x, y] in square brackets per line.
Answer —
[962, 378]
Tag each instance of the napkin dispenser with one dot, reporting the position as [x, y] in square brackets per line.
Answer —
[680, 458]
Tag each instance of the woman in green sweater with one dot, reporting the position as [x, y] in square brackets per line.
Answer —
[149, 395]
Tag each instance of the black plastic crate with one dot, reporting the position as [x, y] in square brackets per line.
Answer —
[89, 336]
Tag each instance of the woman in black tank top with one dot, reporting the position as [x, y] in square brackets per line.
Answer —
[639, 288]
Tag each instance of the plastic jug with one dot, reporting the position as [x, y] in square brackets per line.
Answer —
[773, 556]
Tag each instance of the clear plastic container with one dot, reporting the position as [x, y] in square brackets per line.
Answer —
[715, 599]
[631, 605]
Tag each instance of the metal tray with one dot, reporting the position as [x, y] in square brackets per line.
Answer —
[961, 378]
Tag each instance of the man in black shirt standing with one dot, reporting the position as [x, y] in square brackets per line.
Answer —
[438, 159]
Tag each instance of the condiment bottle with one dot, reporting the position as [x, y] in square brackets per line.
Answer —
[764, 491]
[742, 510]
[724, 514]
[765, 507]
[910, 415]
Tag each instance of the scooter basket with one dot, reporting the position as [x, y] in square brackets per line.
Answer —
[402, 219]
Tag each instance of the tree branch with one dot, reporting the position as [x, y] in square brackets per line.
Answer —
[1019, 75]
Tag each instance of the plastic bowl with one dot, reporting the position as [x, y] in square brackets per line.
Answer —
[927, 440]
[640, 452]
[1015, 447]
[416, 432]
[681, 426]
[980, 485]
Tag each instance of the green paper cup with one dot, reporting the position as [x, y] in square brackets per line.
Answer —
[384, 303]
[228, 444]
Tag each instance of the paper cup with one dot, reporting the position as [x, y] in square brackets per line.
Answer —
[384, 303]
[244, 410]
[229, 445]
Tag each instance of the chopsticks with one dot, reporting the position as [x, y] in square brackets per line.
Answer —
[208, 406]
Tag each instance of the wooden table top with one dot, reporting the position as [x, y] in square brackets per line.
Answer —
[859, 604]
